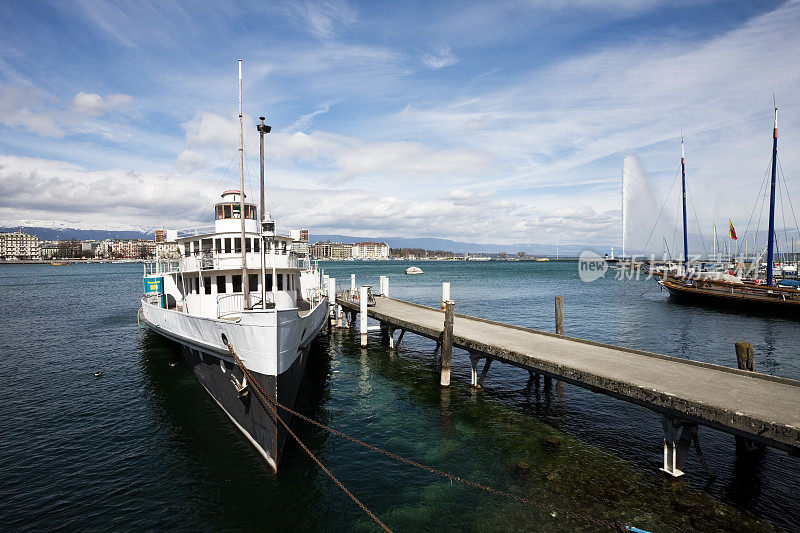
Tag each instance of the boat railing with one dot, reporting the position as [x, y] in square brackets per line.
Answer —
[233, 304]
[159, 267]
[209, 260]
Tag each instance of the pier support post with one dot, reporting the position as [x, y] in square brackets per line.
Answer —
[352, 285]
[445, 293]
[447, 342]
[559, 315]
[362, 302]
[676, 448]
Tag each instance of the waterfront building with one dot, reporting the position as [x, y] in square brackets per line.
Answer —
[341, 251]
[19, 246]
[320, 250]
[370, 250]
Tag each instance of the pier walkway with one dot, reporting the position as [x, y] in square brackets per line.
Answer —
[760, 408]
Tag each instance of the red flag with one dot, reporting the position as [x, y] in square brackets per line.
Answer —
[733, 231]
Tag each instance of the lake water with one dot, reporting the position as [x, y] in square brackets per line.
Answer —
[144, 447]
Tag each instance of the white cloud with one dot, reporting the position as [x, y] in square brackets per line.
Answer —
[439, 59]
[95, 105]
[324, 18]
[15, 111]
[189, 161]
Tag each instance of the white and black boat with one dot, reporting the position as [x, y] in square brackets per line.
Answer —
[240, 284]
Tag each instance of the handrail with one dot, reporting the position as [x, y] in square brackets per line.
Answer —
[233, 303]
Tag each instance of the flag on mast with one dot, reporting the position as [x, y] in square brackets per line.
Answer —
[733, 231]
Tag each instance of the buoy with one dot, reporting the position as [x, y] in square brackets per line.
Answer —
[98, 374]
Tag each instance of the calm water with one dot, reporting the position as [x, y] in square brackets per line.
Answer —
[144, 447]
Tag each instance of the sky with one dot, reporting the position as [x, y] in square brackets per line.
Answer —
[488, 122]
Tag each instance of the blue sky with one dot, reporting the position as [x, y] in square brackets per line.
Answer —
[493, 122]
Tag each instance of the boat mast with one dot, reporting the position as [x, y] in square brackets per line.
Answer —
[683, 187]
[262, 129]
[771, 234]
[245, 280]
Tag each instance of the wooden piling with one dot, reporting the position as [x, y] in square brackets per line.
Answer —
[447, 342]
[559, 315]
[745, 358]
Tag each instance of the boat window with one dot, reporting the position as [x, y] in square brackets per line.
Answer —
[218, 212]
[237, 209]
[227, 211]
[218, 245]
[220, 284]
[256, 245]
[187, 249]
[207, 284]
[207, 245]
[237, 245]
[248, 245]
[280, 282]
[227, 246]
[269, 282]
[252, 281]
[237, 282]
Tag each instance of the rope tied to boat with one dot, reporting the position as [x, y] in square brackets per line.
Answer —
[267, 399]
[613, 525]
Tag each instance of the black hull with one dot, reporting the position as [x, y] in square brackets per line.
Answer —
[249, 412]
[734, 303]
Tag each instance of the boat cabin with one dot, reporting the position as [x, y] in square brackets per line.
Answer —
[207, 279]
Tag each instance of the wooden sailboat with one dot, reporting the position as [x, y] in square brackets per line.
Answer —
[736, 294]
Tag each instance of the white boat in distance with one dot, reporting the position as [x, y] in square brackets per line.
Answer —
[240, 284]
[413, 270]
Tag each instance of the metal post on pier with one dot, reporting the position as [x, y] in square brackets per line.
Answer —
[447, 342]
[332, 298]
[352, 285]
[362, 300]
[384, 286]
[445, 293]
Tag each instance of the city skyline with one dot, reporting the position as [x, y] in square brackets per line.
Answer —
[489, 124]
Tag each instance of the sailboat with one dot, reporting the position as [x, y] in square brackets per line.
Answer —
[730, 290]
[243, 288]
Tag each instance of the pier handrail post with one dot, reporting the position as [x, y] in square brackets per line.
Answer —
[352, 285]
[384, 286]
[445, 293]
[559, 315]
[332, 299]
[447, 342]
[362, 303]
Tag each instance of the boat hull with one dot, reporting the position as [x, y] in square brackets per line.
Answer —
[742, 299]
[222, 378]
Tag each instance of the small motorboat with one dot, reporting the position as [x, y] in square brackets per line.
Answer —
[413, 270]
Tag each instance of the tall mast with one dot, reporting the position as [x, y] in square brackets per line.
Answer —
[262, 129]
[683, 187]
[771, 235]
[245, 280]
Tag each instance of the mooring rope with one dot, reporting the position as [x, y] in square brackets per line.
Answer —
[264, 396]
[607, 524]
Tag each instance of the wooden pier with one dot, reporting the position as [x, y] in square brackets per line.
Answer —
[759, 409]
